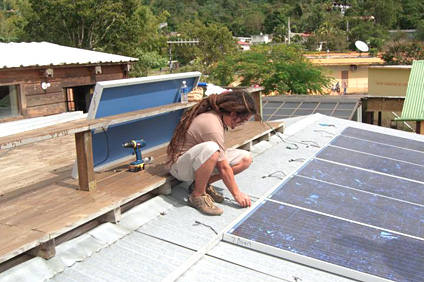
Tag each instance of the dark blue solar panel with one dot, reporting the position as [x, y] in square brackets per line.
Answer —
[380, 149]
[352, 204]
[364, 249]
[384, 138]
[373, 179]
[379, 164]
[365, 180]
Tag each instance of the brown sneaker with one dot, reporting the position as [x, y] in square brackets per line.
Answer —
[204, 204]
[216, 196]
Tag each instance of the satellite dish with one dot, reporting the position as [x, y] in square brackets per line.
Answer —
[362, 46]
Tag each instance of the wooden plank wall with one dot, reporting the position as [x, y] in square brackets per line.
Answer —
[34, 101]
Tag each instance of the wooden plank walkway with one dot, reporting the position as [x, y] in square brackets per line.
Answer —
[51, 205]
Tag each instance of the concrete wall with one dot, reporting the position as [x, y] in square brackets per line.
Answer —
[388, 81]
[357, 81]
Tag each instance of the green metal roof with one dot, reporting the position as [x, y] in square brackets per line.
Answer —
[413, 108]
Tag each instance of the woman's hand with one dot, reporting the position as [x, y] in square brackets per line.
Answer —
[243, 200]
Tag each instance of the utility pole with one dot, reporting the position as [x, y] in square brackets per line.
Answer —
[288, 25]
[347, 30]
[179, 43]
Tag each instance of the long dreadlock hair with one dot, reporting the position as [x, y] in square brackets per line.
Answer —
[238, 101]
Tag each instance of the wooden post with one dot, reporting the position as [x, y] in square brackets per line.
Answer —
[45, 250]
[164, 189]
[114, 216]
[257, 96]
[84, 147]
[265, 137]
[420, 127]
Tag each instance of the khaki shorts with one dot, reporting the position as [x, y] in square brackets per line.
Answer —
[185, 167]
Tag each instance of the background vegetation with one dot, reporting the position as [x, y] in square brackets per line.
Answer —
[133, 28]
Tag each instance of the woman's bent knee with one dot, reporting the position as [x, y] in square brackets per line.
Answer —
[247, 160]
[215, 156]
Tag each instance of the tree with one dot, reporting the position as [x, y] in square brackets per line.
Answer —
[420, 31]
[412, 13]
[375, 35]
[123, 26]
[215, 42]
[403, 52]
[247, 23]
[107, 25]
[78, 23]
[146, 62]
[385, 11]
[12, 21]
[279, 68]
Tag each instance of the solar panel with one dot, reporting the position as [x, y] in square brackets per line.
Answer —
[356, 209]
[379, 149]
[333, 244]
[352, 204]
[374, 163]
[384, 139]
[126, 95]
[299, 105]
[382, 184]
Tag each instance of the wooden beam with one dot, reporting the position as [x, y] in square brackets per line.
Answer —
[84, 147]
[23, 101]
[82, 125]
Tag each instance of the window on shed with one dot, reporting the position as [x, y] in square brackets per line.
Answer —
[78, 98]
[9, 105]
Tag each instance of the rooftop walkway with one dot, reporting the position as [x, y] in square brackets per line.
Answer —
[41, 205]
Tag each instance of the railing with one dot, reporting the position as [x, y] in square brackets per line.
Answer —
[83, 137]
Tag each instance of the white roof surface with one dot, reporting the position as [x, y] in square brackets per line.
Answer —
[13, 55]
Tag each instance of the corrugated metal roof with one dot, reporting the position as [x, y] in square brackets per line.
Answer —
[161, 235]
[14, 55]
[413, 108]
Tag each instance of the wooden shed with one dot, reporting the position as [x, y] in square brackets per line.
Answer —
[41, 78]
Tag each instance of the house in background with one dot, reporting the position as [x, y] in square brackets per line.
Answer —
[386, 94]
[41, 78]
[388, 80]
[261, 39]
[243, 45]
[347, 69]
